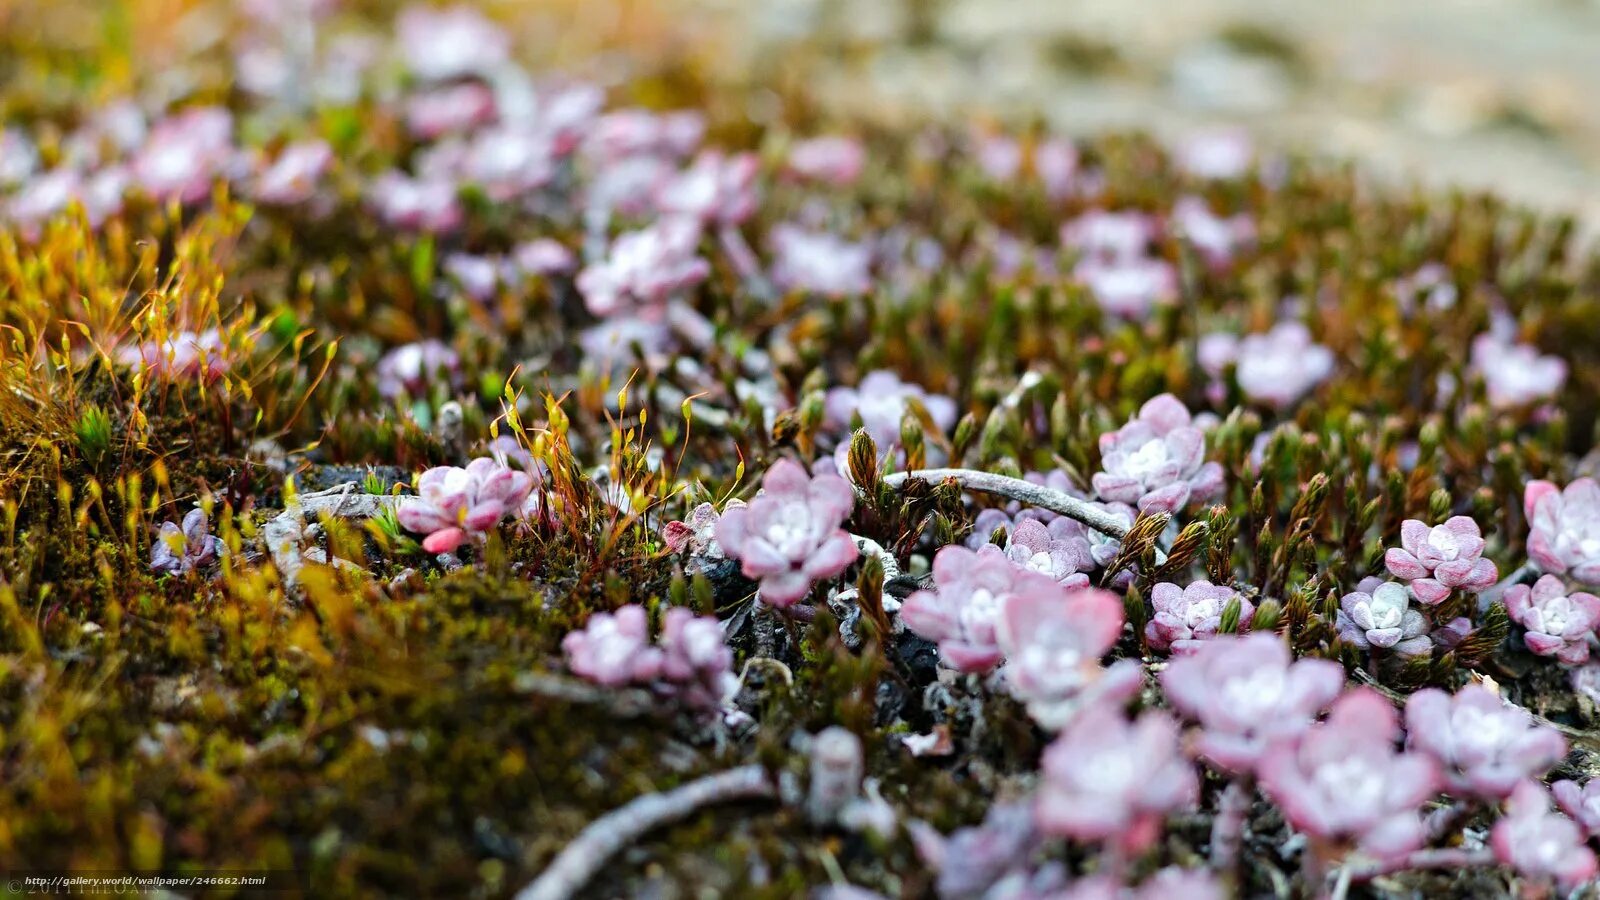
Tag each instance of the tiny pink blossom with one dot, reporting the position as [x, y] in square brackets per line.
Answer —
[1484, 744]
[458, 108]
[1110, 236]
[1188, 615]
[506, 162]
[881, 401]
[1108, 779]
[613, 649]
[1276, 368]
[1058, 551]
[1053, 642]
[1246, 692]
[1128, 288]
[716, 189]
[1564, 528]
[412, 369]
[1516, 374]
[1217, 238]
[183, 354]
[478, 276]
[645, 268]
[179, 549]
[451, 42]
[1217, 154]
[833, 160]
[184, 154]
[426, 204]
[627, 133]
[1581, 802]
[543, 256]
[1539, 842]
[1344, 781]
[697, 664]
[819, 262]
[292, 177]
[1157, 460]
[1438, 559]
[1055, 161]
[1383, 618]
[454, 505]
[789, 536]
[1560, 622]
[962, 612]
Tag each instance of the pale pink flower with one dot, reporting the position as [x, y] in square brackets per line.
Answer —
[185, 154]
[716, 189]
[454, 505]
[1108, 779]
[1343, 780]
[1247, 693]
[789, 536]
[1055, 161]
[645, 268]
[698, 663]
[833, 160]
[1157, 460]
[1053, 641]
[1438, 559]
[1218, 239]
[1057, 550]
[1516, 374]
[412, 369]
[478, 276]
[1217, 154]
[179, 549]
[627, 133]
[999, 156]
[1186, 616]
[1560, 622]
[614, 649]
[543, 256]
[1131, 287]
[1539, 842]
[418, 204]
[819, 262]
[507, 162]
[962, 611]
[1384, 618]
[451, 42]
[1484, 744]
[1581, 802]
[881, 401]
[1111, 236]
[456, 108]
[184, 354]
[292, 177]
[1564, 528]
[1276, 368]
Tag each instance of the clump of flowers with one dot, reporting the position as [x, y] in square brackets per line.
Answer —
[1484, 745]
[179, 549]
[1247, 693]
[692, 663]
[1217, 238]
[454, 505]
[1108, 779]
[833, 160]
[1053, 641]
[1157, 460]
[645, 268]
[1185, 616]
[1559, 622]
[1275, 369]
[1438, 559]
[1581, 802]
[411, 369]
[819, 262]
[1564, 528]
[1516, 374]
[881, 401]
[717, 189]
[1383, 618]
[1343, 782]
[1539, 842]
[292, 177]
[1056, 550]
[962, 613]
[789, 536]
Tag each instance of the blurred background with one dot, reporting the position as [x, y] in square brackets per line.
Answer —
[1487, 94]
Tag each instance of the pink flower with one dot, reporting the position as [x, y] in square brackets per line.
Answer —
[819, 262]
[1217, 238]
[177, 550]
[637, 132]
[790, 536]
[1344, 781]
[833, 160]
[1186, 616]
[543, 256]
[1157, 460]
[185, 354]
[1516, 374]
[1110, 236]
[1128, 288]
[1217, 154]
[418, 204]
[973, 860]
[478, 276]
[1436, 560]
[697, 534]
[441, 44]
[507, 162]
[614, 648]
[454, 505]
[881, 401]
[1105, 778]
[1581, 802]
[698, 664]
[1055, 161]
[1540, 843]
[292, 177]
[1276, 368]
[1564, 528]
[1559, 622]
[1384, 619]
[1246, 693]
[611, 343]
[184, 154]
[962, 613]
[1485, 745]
[1060, 552]
[412, 369]
[999, 156]
[1053, 641]
[449, 110]
[645, 268]
[715, 190]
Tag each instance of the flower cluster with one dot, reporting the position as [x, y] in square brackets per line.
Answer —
[1439, 559]
[1484, 746]
[1383, 618]
[454, 505]
[179, 549]
[1564, 528]
[1115, 263]
[1539, 842]
[691, 663]
[1157, 461]
[1275, 369]
[1559, 622]
[880, 403]
[789, 536]
[1188, 615]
